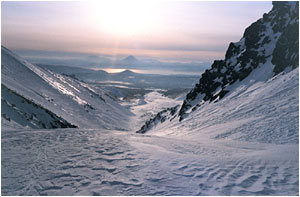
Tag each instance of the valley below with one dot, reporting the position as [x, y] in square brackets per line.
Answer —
[226, 148]
[70, 128]
[110, 162]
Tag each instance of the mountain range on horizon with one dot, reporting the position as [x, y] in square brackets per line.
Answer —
[257, 57]
[104, 61]
[227, 128]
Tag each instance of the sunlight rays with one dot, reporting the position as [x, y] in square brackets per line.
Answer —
[122, 18]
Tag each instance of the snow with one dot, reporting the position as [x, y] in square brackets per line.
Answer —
[100, 162]
[247, 143]
[244, 144]
[256, 110]
[148, 106]
[20, 111]
[78, 103]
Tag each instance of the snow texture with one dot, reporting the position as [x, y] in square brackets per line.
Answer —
[88, 162]
[255, 59]
[257, 111]
[73, 100]
[239, 138]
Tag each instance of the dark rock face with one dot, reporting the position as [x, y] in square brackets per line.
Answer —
[275, 37]
[160, 117]
[271, 39]
[286, 52]
[27, 111]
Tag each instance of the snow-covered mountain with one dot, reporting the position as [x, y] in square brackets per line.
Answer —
[258, 74]
[236, 133]
[94, 61]
[38, 98]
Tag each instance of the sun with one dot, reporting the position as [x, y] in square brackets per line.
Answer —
[122, 17]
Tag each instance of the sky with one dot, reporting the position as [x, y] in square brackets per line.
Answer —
[164, 30]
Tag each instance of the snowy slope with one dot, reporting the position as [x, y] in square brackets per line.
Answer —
[234, 98]
[67, 98]
[266, 111]
[244, 142]
[24, 112]
[87, 162]
[148, 106]
[270, 42]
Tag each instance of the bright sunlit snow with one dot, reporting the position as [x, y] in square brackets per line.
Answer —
[77, 131]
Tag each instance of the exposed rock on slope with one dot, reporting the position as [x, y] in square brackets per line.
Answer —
[159, 118]
[269, 45]
[26, 113]
[274, 37]
[53, 97]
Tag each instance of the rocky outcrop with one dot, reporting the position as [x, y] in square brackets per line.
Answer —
[274, 37]
[159, 118]
[272, 40]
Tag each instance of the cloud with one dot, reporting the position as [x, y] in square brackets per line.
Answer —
[176, 30]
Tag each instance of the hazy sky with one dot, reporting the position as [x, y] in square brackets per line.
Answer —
[166, 30]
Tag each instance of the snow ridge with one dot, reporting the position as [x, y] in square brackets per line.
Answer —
[74, 101]
[268, 47]
[262, 41]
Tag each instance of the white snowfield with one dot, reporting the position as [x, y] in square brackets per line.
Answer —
[99, 162]
[245, 144]
[72, 100]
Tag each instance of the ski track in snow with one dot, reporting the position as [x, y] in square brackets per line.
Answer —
[93, 162]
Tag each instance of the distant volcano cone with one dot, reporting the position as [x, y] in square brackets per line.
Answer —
[130, 59]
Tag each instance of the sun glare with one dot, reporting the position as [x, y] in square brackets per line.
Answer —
[122, 17]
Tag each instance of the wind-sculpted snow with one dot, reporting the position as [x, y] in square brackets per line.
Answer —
[87, 162]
